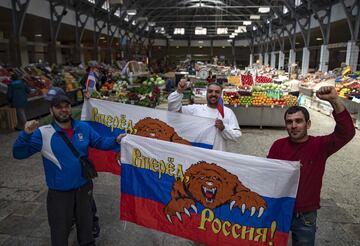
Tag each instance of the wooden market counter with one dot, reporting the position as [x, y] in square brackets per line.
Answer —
[37, 106]
[259, 115]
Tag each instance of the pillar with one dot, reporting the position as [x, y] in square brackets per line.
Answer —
[59, 57]
[261, 59]
[82, 56]
[324, 58]
[266, 58]
[251, 62]
[305, 60]
[292, 57]
[39, 49]
[352, 55]
[24, 53]
[273, 59]
[281, 59]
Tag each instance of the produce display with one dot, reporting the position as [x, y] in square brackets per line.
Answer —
[263, 95]
[348, 90]
[247, 80]
[145, 94]
[40, 77]
[263, 79]
[234, 80]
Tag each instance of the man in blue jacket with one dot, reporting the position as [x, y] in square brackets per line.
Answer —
[17, 97]
[70, 194]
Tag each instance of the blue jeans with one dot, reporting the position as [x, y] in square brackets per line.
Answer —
[303, 228]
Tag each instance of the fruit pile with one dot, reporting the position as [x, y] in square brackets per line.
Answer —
[246, 100]
[263, 80]
[234, 80]
[290, 100]
[263, 95]
[155, 80]
[247, 80]
[267, 87]
[349, 90]
[258, 93]
[231, 97]
[262, 101]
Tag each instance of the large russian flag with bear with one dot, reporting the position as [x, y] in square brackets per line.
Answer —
[208, 196]
[112, 118]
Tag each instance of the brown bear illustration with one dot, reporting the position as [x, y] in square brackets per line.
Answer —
[155, 128]
[212, 186]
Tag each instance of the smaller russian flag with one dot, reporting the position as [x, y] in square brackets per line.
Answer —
[220, 106]
[91, 82]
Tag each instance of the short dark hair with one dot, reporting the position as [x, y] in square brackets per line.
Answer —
[295, 109]
[14, 76]
[215, 83]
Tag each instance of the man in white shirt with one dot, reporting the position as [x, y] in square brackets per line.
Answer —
[294, 85]
[228, 128]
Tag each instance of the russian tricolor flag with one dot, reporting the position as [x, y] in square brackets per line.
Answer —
[91, 82]
[220, 106]
[112, 118]
[208, 196]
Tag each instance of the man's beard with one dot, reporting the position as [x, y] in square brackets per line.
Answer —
[61, 119]
[211, 104]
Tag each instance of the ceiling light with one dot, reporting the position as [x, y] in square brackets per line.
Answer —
[131, 11]
[141, 19]
[319, 39]
[38, 35]
[264, 9]
[221, 31]
[247, 23]
[200, 31]
[180, 31]
[254, 17]
[151, 23]
[241, 29]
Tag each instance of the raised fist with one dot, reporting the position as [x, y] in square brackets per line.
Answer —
[327, 93]
[30, 126]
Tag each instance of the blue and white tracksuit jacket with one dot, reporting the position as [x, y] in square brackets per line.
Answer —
[62, 169]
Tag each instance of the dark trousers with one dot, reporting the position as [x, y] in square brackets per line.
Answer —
[62, 207]
[21, 118]
[303, 229]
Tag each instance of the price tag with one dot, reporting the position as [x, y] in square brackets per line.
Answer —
[235, 105]
[282, 106]
[247, 105]
[272, 106]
